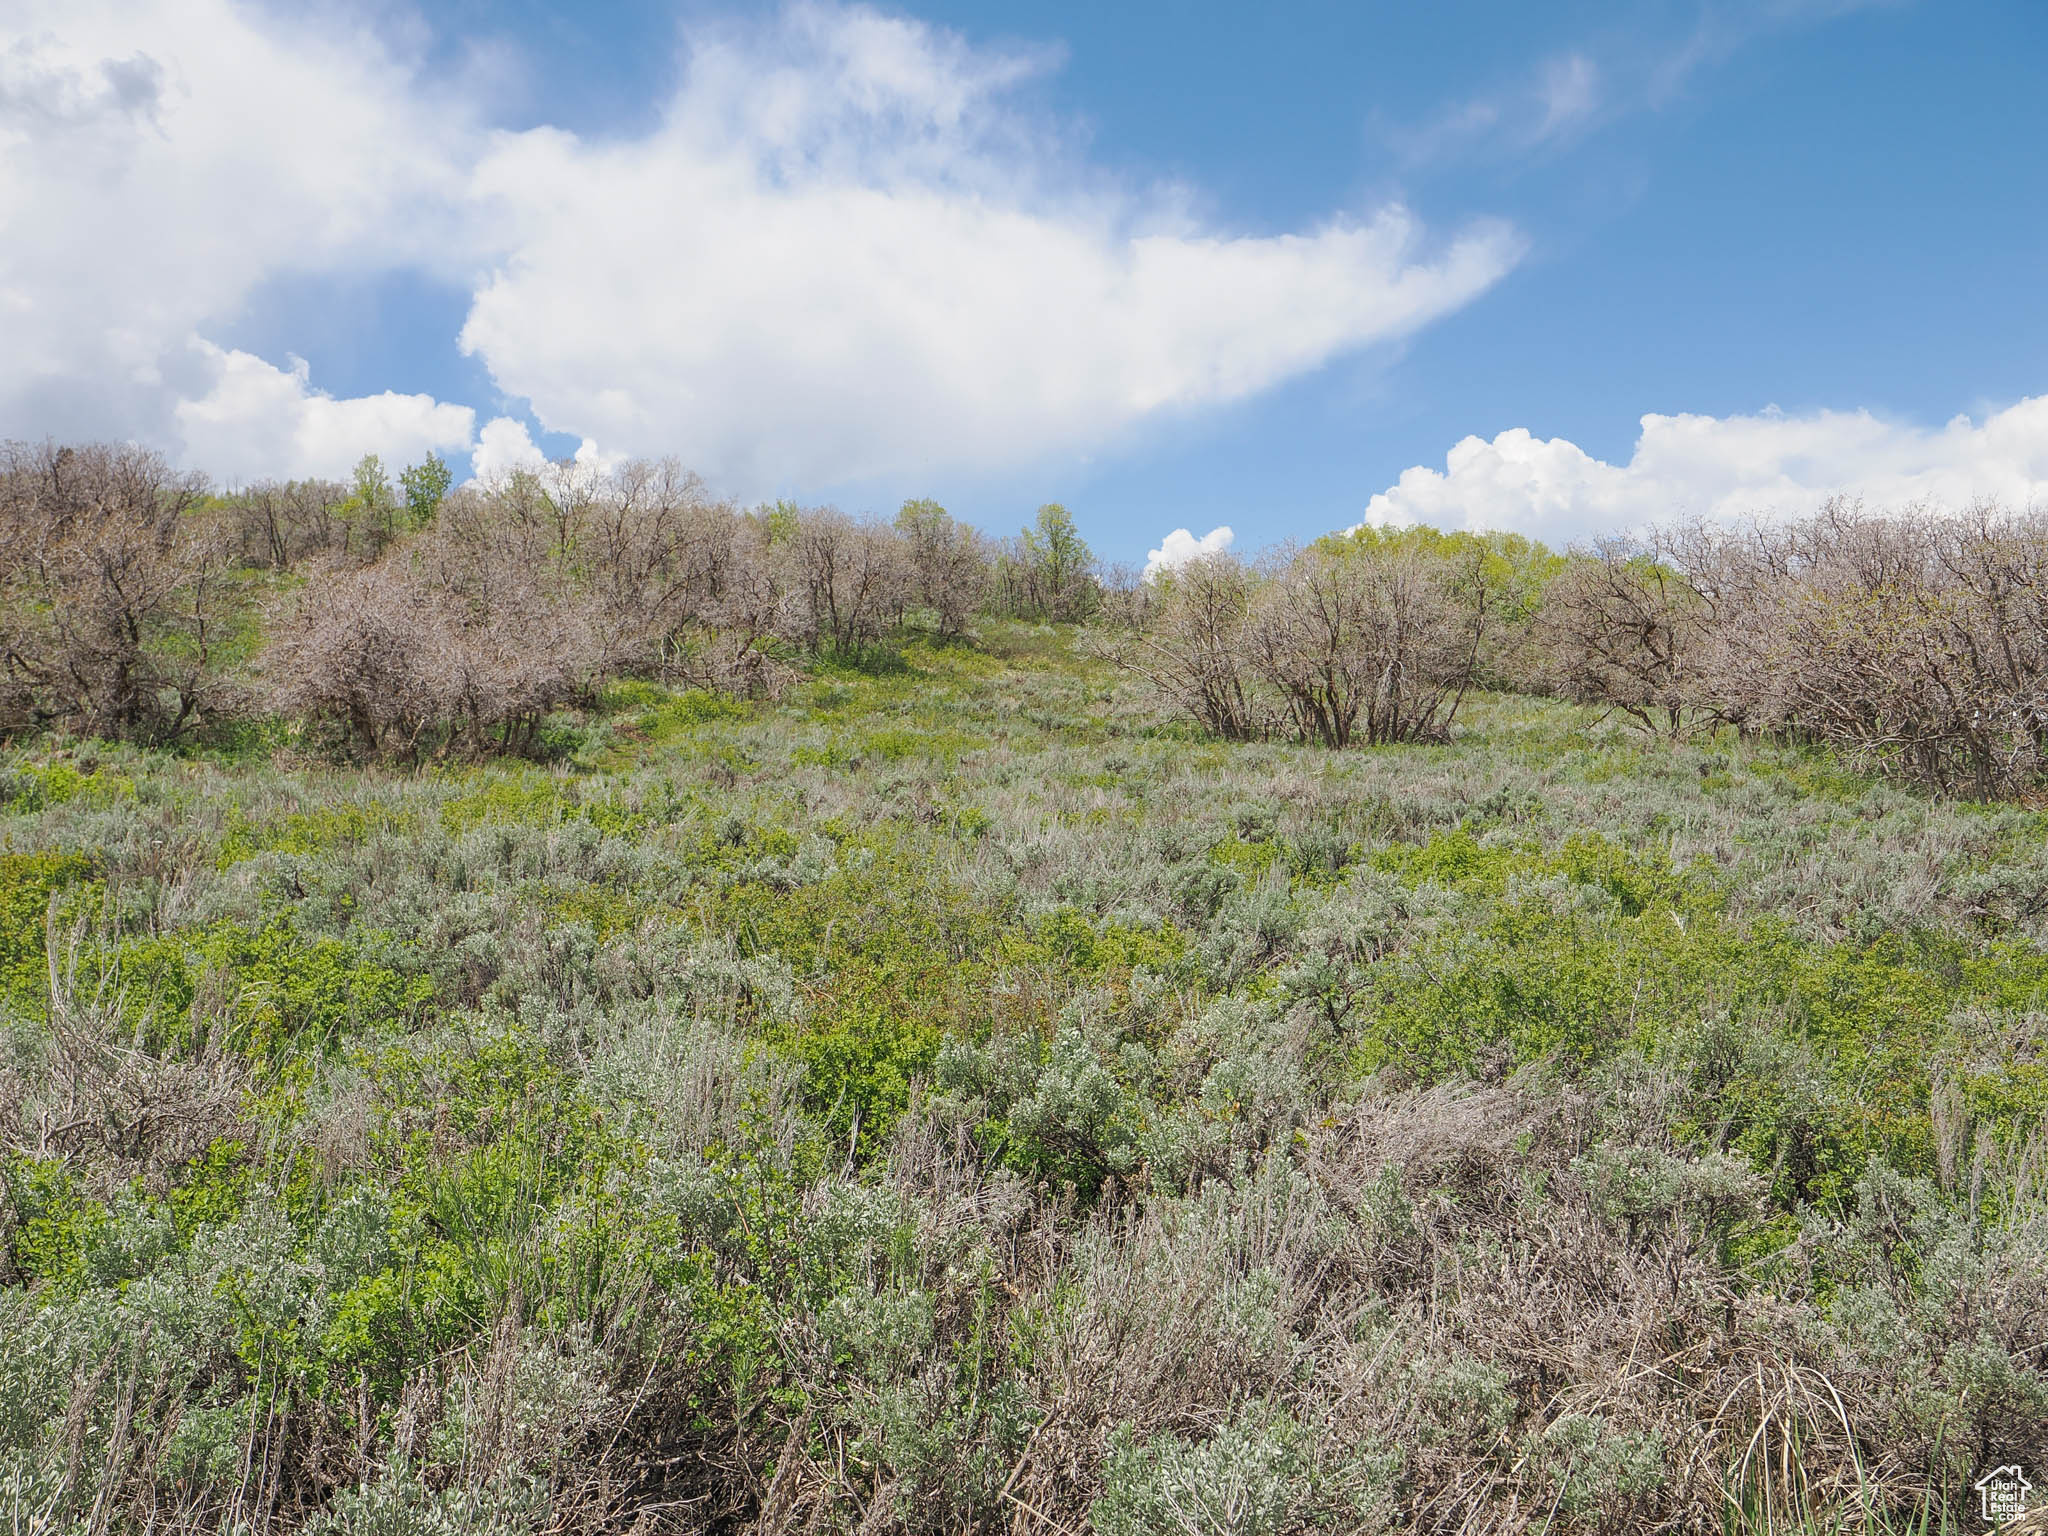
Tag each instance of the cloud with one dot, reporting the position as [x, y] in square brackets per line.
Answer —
[160, 161]
[845, 252]
[1720, 31]
[257, 420]
[1624, 68]
[1723, 467]
[1181, 546]
[1551, 103]
[846, 249]
[503, 448]
[1569, 92]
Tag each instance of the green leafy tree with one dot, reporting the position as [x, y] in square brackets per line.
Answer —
[371, 512]
[1059, 566]
[923, 517]
[781, 520]
[426, 486]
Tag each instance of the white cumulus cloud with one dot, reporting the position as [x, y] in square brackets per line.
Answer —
[159, 162]
[844, 252]
[258, 420]
[503, 448]
[845, 249]
[1723, 467]
[1181, 546]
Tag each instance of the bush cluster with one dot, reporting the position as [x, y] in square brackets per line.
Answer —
[111, 596]
[1913, 640]
[418, 620]
[1367, 638]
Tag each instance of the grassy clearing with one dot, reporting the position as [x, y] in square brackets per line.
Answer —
[953, 1097]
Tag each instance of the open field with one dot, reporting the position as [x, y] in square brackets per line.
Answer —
[980, 768]
[956, 1096]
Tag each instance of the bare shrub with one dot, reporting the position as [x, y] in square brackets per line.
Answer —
[112, 597]
[1347, 641]
[1195, 648]
[1127, 599]
[277, 524]
[1373, 643]
[104, 1094]
[358, 652]
[446, 645]
[525, 594]
[664, 578]
[1620, 628]
[946, 567]
[659, 554]
[519, 599]
[846, 580]
[732, 642]
[1914, 640]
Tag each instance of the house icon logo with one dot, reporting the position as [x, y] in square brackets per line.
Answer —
[2002, 1494]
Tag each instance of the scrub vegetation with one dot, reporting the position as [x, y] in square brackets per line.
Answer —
[574, 1007]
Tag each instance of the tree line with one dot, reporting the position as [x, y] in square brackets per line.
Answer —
[1911, 640]
[410, 618]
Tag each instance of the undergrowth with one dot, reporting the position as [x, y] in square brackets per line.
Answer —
[949, 1097]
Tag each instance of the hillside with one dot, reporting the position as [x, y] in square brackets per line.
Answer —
[958, 1094]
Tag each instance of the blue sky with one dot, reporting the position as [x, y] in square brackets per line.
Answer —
[1178, 266]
